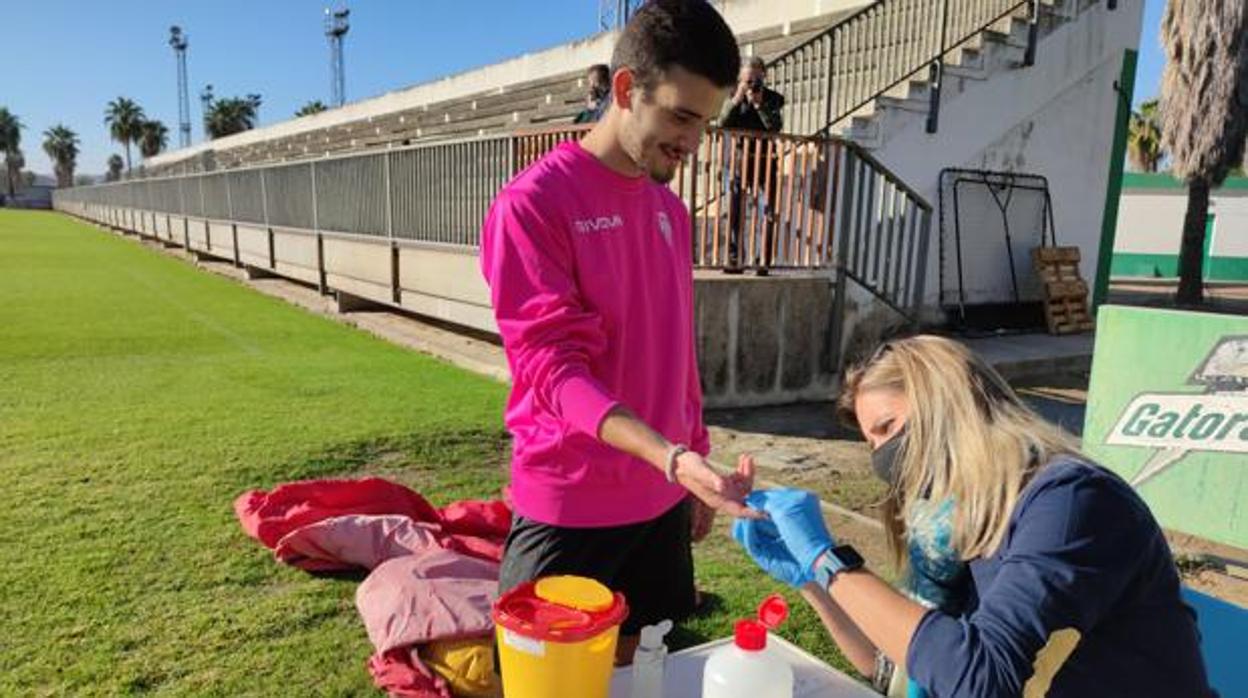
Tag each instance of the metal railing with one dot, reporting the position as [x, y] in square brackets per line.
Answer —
[763, 201]
[837, 72]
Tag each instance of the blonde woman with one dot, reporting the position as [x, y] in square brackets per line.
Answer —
[1070, 589]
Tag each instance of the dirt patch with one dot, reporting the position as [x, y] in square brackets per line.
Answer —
[1218, 570]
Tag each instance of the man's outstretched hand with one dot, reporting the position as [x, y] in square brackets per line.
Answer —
[716, 490]
[703, 516]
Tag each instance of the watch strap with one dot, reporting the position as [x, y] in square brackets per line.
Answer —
[835, 561]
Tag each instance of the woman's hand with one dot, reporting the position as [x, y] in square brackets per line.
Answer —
[799, 522]
[761, 539]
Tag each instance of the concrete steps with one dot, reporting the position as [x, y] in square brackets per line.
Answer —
[992, 52]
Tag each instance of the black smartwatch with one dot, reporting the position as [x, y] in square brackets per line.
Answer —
[835, 561]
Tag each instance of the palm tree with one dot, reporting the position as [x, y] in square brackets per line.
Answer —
[14, 161]
[1144, 140]
[115, 165]
[61, 145]
[10, 142]
[316, 106]
[1203, 119]
[232, 115]
[125, 123]
[153, 138]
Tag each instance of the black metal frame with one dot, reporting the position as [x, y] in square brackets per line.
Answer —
[982, 177]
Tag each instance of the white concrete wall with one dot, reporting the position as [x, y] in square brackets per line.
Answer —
[1230, 237]
[197, 231]
[221, 239]
[1055, 119]
[445, 283]
[741, 15]
[1150, 221]
[358, 266]
[295, 255]
[253, 246]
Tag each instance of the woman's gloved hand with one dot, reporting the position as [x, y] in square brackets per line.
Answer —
[761, 539]
[799, 520]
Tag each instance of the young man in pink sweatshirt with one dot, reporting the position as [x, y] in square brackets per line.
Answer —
[588, 257]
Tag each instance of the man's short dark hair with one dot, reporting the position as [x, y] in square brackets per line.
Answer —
[602, 70]
[685, 33]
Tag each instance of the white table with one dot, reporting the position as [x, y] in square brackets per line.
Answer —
[683, 678]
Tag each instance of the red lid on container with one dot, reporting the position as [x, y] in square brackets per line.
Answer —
[750, 635]
[560, 609]
[773, 611]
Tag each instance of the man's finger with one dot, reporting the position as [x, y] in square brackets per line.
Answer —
[736, 509]
[745, 470]
[741, 511]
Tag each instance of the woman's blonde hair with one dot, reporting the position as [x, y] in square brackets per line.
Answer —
[969, 437]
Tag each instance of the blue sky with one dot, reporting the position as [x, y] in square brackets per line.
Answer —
[68, 58]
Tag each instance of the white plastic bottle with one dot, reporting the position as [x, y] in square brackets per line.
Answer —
[650, 661]
[746, 668]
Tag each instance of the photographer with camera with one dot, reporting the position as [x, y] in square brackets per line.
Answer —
[754, 107]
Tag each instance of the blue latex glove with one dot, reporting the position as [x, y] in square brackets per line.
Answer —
[799, 520]
[761, 539]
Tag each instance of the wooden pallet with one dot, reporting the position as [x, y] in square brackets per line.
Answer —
[1065, 292]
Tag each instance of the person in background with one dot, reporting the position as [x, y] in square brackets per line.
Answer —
[598, 83]
[1070, 587]
[754, 107]
[588, 257]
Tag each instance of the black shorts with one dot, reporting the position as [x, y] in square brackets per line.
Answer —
[650, 562]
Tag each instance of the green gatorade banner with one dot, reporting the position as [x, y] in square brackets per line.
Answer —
[1168, 411]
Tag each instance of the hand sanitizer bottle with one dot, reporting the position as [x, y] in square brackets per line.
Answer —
[745, 668]
[649, 661]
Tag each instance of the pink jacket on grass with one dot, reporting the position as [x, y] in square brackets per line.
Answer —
[590, 276]
[434, 571]
[301, 522]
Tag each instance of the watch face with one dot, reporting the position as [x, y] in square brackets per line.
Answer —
[850, 559]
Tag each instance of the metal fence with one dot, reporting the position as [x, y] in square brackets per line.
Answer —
[835, 73]
[763, 201]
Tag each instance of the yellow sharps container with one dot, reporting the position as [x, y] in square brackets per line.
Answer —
[557, 637]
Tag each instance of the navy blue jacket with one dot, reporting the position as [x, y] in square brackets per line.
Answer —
[1081, 599]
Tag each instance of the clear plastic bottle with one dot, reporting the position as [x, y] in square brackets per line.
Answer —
[746, 668]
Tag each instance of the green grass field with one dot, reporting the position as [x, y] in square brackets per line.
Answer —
[138, 397]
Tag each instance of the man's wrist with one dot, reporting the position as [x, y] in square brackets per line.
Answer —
[672, 460]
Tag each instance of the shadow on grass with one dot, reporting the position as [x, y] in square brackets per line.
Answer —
[354, 576]
[686, 634]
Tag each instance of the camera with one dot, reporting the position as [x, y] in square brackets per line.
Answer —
[755, 84]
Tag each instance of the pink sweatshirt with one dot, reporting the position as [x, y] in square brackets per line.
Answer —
[590, 274]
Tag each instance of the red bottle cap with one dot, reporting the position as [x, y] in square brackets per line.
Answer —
[773, 611]
[750, 635]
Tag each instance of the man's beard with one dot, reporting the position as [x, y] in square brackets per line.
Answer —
[663, 176]
[659, 171]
